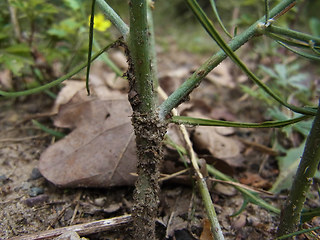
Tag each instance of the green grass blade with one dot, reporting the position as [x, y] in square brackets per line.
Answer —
[266, 6]
[220, 123]
[216, 14]
[300, 53]
[90, 45]
[297, 233]
[293, 34]
[50, 131]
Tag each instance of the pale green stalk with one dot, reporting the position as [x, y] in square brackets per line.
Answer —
[300, 53]
[215, 11]
[114, 18]
[293, 34]
[148, 129]
[206, 23]
[212, 122]
[290, 216]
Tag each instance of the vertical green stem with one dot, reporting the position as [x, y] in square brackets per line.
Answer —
[148, 129]
[290, 216]
[139, 46]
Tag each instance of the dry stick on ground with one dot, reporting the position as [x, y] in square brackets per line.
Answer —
[215, 227]
[81, 229]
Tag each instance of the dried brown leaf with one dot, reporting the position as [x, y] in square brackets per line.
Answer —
[206, 232]
[207, 138]
[99, 152]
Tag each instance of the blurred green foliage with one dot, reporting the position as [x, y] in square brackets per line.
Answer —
[36, 33]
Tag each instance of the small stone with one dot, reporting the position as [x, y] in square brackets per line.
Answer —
[68, 214]
[3, 179]
[35, 174]
[35, 191]
[30, 202]
[112, 208]
[100, 201]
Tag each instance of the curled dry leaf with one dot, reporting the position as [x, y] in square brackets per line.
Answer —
[67, 92]
[221, 75]
[207, 138]
[99, 152]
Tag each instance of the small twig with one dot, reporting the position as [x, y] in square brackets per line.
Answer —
[260, 147]
[242, 186]
[170, 176]
[82, 229]
[21, 139]
[15, 22]
[206, 197]
[58, 217]
[76, 207]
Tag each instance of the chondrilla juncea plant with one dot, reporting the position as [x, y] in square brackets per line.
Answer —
[150, 120]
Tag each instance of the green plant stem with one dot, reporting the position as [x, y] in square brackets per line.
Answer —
[294, 43]
[90, 45]
[290, 216]
[202, 186]
[216, 13]
[266, 7]
[206, 197]
[153, 52]
[207, 24]
[57, 81]
[184, 90]
[50, 131]
[148, 129]
[300, 53]
[114, 18]
[298, 232]
[211, 122]
[141, 55]
[293, 34]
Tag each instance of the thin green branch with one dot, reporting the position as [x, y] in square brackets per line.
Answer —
[184, 90]
[294, 43]
[290, 217]
[216, 14]
[266, 6]
[90, 45]
[114, 18]
[293, 34]
[207, 24]
[57, 81]
[298, 233]
[141, 54]
[300, 53]
[211, 122]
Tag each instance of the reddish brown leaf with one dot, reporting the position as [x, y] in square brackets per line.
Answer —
[206, 232]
